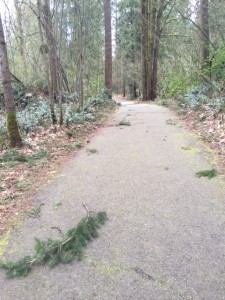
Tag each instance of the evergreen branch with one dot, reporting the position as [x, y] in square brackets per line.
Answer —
[53, 252]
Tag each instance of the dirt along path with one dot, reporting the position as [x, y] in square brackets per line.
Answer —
[165, 237]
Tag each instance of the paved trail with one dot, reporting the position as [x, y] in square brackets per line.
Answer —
[165, 237]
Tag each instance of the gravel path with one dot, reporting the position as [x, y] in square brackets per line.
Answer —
[165, 237]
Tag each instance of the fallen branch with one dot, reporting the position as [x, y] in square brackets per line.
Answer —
[54, 252]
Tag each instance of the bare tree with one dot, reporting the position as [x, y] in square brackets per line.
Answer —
[11, 121]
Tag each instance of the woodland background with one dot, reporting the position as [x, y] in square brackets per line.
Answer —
[62, 60]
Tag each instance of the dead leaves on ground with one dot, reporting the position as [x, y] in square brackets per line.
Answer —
[19, 180]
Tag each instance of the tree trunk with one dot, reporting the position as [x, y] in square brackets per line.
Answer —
[152, 43]
[11, 121]
[47, 67]
[81, 81]
[59, 74]
[108, 46]
[54, 91]
[143, 48]
[154, 79]
[204, 17]
[20, 34]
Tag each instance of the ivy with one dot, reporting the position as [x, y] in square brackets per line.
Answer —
[54, 252]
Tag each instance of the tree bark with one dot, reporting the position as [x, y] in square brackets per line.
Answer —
[11, 121]
[46, 62]
[53, 63]
[154, 79]
[81, 80]
[204, 17]
[143, 48]
[19, 32]
[108, 46]
[152, 44]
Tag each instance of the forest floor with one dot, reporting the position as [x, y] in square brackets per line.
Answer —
[164, 238]
[28, 168]
[208, 124]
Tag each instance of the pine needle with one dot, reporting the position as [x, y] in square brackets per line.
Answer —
[54, 252]
[207, 173]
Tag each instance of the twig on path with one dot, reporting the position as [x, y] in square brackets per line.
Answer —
[59, 230]
[88, 212]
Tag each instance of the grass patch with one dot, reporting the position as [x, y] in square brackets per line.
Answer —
[92, 150]
[23, 184]
[207, 173]
[57, 204]
[209, 138]
[69, 133]
[186, 148]
[78, 144]
[202, 119]
[9, 198]
[13, 155]
[8, 165]
[171, 122]
[35, 212]
[124, 123]
[40, 154]
[163, 102]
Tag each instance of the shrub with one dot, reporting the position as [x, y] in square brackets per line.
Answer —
[34, 115]
[79, 118]
[176, 83]
[37, 114]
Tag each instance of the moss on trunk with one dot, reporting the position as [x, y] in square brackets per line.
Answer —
[12, 129]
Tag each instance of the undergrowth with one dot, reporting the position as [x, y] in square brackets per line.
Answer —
[54, 252]
[78, 144]
[36, 113]
[202, 95]
[12, 156]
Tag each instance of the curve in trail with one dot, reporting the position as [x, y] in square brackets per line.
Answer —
[165, 235]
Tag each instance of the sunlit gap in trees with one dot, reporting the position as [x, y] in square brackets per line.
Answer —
[193, 8]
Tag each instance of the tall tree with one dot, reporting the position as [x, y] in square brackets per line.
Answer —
[143, 48]
[204, 18]
[53, 58]
[19, 33]
[108, 45]
[156, 36]
[152, 16]
[11, 121]
[128, 47]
